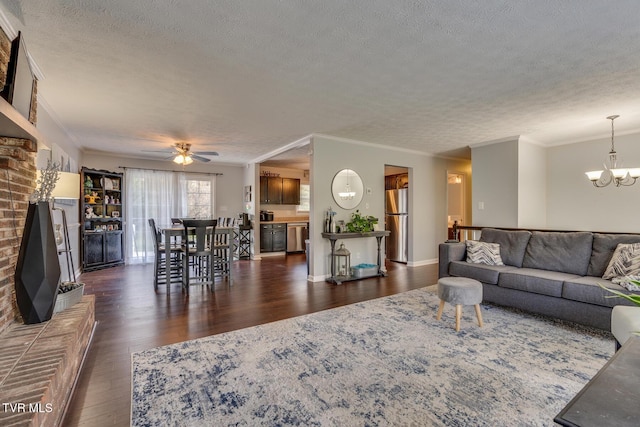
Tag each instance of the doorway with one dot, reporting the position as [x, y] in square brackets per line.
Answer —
[455, 203]
[396, 218]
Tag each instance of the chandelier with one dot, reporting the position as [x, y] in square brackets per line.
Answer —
[613, 174]
[347, 193]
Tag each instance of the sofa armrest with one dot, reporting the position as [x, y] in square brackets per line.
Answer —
[450, 252]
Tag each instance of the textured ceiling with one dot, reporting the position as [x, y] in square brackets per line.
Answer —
[246, 77]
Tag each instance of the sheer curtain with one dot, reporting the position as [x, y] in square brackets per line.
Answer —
[160, 195]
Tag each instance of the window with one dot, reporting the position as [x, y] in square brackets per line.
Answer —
[199, 198]
[305, 197]
[162, 195]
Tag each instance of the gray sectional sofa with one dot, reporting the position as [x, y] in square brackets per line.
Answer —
[547, 272]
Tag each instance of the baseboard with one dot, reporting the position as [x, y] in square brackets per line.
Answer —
[423, 262]
[320, 278]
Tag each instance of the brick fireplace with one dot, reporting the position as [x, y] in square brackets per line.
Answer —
[39, 363]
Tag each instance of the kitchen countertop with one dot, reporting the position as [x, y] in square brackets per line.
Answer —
[285, 220]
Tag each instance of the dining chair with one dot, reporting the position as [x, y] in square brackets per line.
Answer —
[160, 263]
[198, 258]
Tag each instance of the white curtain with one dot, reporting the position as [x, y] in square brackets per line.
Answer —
[149, 194]
[160, 195]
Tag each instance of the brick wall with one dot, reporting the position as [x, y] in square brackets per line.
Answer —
[5, 55]
[17, 182]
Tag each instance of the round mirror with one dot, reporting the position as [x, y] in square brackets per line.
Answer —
[347, 189]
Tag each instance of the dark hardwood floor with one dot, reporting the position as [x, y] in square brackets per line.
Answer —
[132, 317]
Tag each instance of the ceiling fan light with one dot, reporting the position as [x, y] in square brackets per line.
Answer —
[187, 160]
[179, 159]
[593, 175]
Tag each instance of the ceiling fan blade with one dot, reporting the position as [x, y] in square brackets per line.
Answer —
[200, 158]
[158, 151]
[207, 153]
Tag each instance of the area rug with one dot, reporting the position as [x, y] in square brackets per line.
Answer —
[377, 363]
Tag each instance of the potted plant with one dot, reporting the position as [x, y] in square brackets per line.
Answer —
[69, 293]
[361, 224]
[634, 298]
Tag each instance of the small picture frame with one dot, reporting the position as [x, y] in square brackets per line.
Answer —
[247, 193]
[115, 214]
[110, 227]
[116, 183]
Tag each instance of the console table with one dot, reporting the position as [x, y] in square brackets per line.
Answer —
[611, 397]
[333, 237]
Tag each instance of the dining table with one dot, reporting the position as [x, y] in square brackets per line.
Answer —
[171, 232]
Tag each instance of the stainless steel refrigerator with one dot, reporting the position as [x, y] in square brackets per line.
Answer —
[397, 222]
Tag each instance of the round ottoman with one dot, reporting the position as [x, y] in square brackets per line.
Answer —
[460, 291]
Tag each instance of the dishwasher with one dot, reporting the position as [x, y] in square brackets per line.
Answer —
[297, 233]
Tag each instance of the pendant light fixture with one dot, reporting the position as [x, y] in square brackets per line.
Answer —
[613, 174]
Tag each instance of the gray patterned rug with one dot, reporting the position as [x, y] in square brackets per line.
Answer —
[376, 363]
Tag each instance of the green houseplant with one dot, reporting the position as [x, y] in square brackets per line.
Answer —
[360, 223]
[634, 298]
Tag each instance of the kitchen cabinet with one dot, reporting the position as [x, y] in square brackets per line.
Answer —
[290, 191]
[271, 190]
[273, 237]
[279, 191]
[102, 233]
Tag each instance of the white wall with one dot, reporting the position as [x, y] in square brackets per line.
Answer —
[427, 195]
[495, 184]
[573, 203]
[53, 133]
[229, 186]
[532, 186]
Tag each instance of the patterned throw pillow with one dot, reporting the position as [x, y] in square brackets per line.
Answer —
[483, 253]
[624, 262]
[626, 283]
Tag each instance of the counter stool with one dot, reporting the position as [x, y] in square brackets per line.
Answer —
[460, 291]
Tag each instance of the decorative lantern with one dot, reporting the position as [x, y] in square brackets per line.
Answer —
[342, 261]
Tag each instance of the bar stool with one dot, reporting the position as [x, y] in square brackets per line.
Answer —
[198, 259]
[160, 264]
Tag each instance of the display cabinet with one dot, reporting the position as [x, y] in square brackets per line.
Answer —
[102, 241]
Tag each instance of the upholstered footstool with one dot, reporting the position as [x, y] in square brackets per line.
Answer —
[460, 291]
[625, 320]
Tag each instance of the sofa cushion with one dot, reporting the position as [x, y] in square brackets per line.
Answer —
[586, 289]
[559, 251]
[625, 261]
[512, 243]
[482, 272]
[603, 247]
[483, 253]
[537, 281]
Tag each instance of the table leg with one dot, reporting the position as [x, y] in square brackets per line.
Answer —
[333, 251]
[167, 260]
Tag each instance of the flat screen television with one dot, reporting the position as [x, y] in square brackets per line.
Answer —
[20, 81]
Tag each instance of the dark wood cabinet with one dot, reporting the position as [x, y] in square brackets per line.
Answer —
[102, 241]
[273, 237]
[279, 191]
[290, 191]
[271, 190]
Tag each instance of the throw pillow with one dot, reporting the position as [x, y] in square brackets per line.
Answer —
[483, 253]
[626, 283]
[625, 261]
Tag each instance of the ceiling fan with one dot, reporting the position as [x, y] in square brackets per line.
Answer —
[183, 155]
